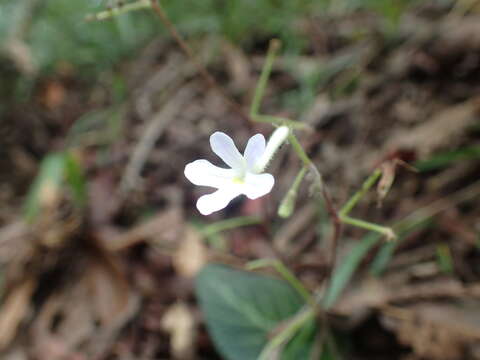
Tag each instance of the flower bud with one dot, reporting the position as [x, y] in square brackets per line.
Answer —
[288, 203]
[276, 140]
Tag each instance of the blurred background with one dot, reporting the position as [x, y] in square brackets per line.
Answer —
[100, 110]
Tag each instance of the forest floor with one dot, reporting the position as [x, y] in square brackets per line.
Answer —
[104, 280]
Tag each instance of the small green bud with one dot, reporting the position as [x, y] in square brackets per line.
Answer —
[276, 140]
[288, 203]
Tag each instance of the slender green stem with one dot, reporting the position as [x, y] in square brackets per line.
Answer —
[107, 14]
[285, 273]
[229, 224]
[264, 76]
[299, 149]
[385, 230]
[345, 210]
[291, 328]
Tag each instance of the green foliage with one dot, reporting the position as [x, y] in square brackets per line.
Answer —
[383, 257]
[444, 258]
[300, 347]
[390, 11]
[386, 251]
[49, 178]
[242, 310]
[60, 33]
[75, 179]
[344, 272]
[58, 30]
[444, 159]
[56, 171]
[244, 21]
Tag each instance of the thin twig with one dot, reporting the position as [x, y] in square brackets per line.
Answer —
[200, 67]
[114, 11]
[151, 133]
[336, 232]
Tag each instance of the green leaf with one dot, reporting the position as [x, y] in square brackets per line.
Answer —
[343, 273]
[386, 252]
[444, 159]
[242, 309]
[48, 180]
[76, 179]
[383, 257]
[301, 345]
[58, 171]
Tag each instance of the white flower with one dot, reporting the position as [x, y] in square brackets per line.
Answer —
[245, 175]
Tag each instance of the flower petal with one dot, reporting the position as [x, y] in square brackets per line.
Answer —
[204, 173]
[254, 149]
[218, 200]
[225, 148]
[257, 185]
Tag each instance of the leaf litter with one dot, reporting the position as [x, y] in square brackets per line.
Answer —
[114, 280]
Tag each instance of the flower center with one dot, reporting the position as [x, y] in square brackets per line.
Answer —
[238, 180]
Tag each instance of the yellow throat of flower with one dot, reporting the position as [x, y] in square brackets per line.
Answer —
[238, 180]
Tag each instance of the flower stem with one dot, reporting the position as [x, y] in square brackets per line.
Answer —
[273, 49]
[299, 150]
[387, 231]
[264, 76]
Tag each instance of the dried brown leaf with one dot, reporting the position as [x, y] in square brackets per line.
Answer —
[14, 310]
[437, 331]
[180, 323]
[238, 67]
[191, 255]
[443, 128]
[162, 229]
